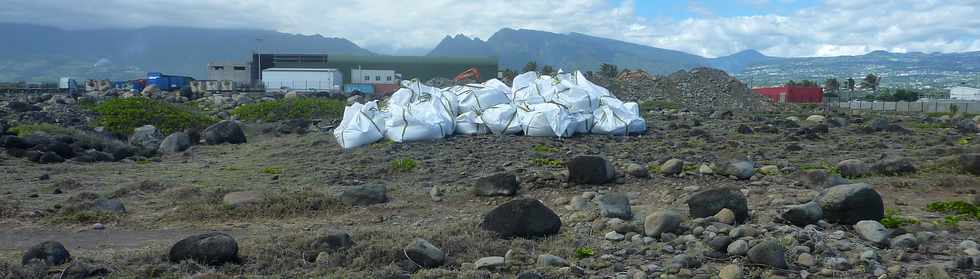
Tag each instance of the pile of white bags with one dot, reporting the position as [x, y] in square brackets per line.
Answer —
[537, 105]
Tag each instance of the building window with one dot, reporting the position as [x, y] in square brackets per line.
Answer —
[239, 68]
[388, 78]
[367, 78]
[377, 78]
[218, 68]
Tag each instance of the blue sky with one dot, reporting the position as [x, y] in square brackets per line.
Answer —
[710, 28]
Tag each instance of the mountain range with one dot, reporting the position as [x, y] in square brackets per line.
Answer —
[38, 53]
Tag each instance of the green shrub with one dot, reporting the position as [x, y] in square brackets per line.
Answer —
[122, 115]
[544, 149]
[272, 170]
[291, 108]
[584, 252]
[403, 165]
[545, 162]
[893, 220]
[958, 208]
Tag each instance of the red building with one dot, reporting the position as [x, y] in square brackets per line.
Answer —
[792, 94]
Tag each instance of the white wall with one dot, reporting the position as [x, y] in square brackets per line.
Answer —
[319, 80]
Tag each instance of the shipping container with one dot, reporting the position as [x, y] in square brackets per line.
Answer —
[360, 88]
[168, 82]
[304, 80]
[385, 89]
[792, 94]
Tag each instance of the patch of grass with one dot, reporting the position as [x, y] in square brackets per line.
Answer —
[892, 220]
[544, 149]
[274, 205]
[8, 208]
[928, 125]
[584, 252]
[272, 170]
[829, 168]
[122, 115]
[85, 217]
[965, 141]
[403, 165]
[547, 162]
[952, 220]
[957, 208]
[658, 104]
[291, 108]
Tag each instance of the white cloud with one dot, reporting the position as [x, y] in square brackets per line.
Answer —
[833, 27]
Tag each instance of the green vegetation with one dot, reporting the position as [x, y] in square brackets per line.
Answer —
[122, 115]
[960, 209]
[546, 162]
[658, 104]
[829, 168]
[544, 149]
[892, 220]
[584, 252]
[85, 217]
[965, 141]
[608, 70]
[290, 108]
[896, 95]
[272, 170]
[403, 165]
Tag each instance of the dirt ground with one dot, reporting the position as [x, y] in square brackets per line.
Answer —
[300, 176]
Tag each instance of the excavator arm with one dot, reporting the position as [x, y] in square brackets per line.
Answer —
[473, 73]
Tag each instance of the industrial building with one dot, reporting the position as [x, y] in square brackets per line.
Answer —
[964, 93]
[235, 72]
[792, 94]
[376, 69]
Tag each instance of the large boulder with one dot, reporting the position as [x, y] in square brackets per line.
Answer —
[821, 179]
[967, 126]
[592, 170]
[227, 131]
[661, 222]
[174, 143]
[848, 204]
[853, 168]
[522, 218]
[740, 169]
[802, 215]
[213, 248]
[50, 158]
[424, 253]
[15, 142]
[364, 195]
[970, 163]
[769, 253]
[498, 184]
[672, 167]
[146, 137]
[49, 252]
[894, 166]
[708, 203]
[615, 205]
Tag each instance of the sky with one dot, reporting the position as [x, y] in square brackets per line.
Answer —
[710, 28]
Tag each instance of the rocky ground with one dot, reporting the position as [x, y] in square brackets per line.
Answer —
[717, 194]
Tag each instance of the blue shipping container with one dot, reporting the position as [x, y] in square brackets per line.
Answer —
[167, 82]
[364, 89]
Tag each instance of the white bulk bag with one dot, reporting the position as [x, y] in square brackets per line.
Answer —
[499, 85]
[477, 97]
[414, 91]
[362, 124]
[548, 120]
[503, 119]
[427, 119]
[577, 99]
[583, 122]
[617, 120]
[470, 123]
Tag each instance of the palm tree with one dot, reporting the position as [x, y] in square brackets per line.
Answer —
[608, 70]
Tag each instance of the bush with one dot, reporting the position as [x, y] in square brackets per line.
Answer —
[403, 165]
[122, 115]
[291, 108]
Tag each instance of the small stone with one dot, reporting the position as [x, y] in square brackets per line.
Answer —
[637, 170]
[48, 252]
[709, 202]
[731, 272]
[547, 260]
[425, 254]
[98, 226]
[498, 184]
[769, 253]
[968, 244]
[615, 205]
[905, 241]
[738, 248]
[489, 263]
[672, 167]
[807, 260]
[705, 169]
[661, 222]
[593, 170]
[726, 216]
[872, 231]
[804, 214]
[213, 248]
[614, 236]
[364, 195]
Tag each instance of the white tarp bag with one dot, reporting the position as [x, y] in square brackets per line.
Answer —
[417, 122]
[414, 91]
[548, 120]
[503, 119]
[617, 118]
[583, 122]
[577, 99]
[500, 85]
[478, 97]
[470, 123]
[362, 124]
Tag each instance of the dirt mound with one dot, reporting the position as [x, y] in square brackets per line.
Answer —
[698, 89]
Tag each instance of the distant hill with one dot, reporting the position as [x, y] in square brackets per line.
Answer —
[37, 53]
